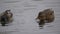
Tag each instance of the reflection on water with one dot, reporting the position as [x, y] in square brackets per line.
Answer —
[41, 24]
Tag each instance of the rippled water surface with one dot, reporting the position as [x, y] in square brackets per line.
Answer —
[25, 12]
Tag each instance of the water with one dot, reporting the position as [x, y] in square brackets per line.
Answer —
[25, 12]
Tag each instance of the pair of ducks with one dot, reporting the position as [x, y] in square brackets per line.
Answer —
[45, 16]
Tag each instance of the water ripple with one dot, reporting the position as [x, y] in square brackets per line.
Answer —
[11, 1]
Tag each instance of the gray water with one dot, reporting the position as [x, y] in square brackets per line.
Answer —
[25, 12]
